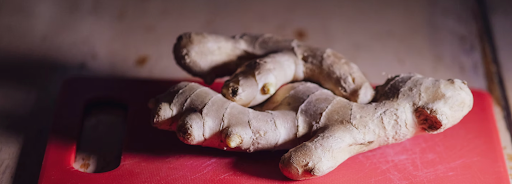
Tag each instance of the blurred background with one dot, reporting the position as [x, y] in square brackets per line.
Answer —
[44, 42]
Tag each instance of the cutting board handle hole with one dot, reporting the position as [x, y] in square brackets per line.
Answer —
[100, 145]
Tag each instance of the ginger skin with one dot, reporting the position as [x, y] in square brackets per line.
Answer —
[332, 127]
[260, 64]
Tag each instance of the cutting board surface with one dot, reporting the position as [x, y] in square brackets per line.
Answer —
[469, 152]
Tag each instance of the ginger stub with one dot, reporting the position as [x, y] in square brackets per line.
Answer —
[322, 129]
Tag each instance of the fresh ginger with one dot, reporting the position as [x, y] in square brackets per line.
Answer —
[322, 129]
[260, 64]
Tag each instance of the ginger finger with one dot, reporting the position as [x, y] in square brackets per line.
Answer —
[211, 56]
[257, 80]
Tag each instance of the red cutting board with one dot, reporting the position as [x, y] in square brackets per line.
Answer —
[469, 152]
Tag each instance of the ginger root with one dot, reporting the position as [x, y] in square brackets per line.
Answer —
[332, 127]
[260, 64]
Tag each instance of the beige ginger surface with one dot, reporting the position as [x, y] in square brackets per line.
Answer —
[261, 63]
[322, 129]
